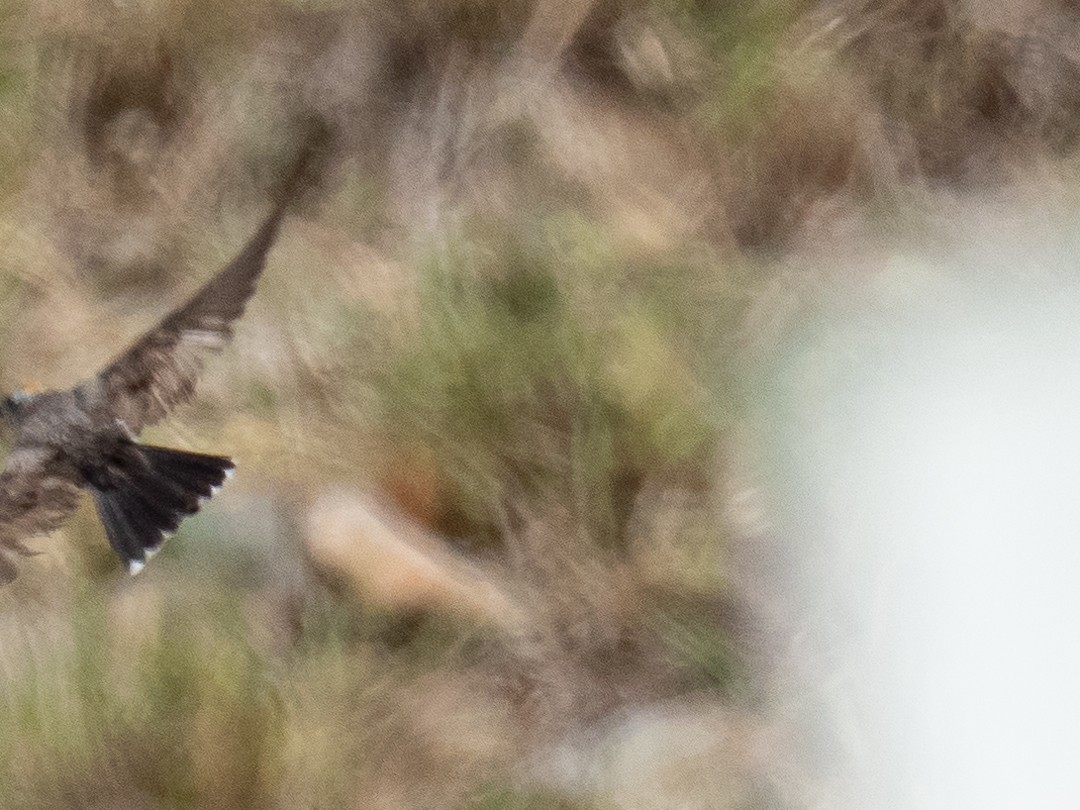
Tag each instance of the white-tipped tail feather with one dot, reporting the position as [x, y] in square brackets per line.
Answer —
[147, 491]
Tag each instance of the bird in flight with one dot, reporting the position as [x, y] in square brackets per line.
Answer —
[85, 437]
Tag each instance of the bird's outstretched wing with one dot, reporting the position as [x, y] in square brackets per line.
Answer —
[37, 494]
[160, 370]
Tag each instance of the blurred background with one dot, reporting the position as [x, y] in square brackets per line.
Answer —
[652, 404]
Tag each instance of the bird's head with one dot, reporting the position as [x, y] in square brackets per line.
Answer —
[14, 404]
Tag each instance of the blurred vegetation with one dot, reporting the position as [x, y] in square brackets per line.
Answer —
[519, 399]
[549, 295]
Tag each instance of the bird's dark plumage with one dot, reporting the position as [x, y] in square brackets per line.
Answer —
[144, 492]
[84, 437]
[36, 496]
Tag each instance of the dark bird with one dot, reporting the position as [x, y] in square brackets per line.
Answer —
[85, 437]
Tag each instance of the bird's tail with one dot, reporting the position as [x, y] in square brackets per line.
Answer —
[148, 491]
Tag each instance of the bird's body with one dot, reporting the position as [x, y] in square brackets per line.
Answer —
[85, 437]
[62, 419]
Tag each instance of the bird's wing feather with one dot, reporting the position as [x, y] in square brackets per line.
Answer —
[160, 370]
[37, 494]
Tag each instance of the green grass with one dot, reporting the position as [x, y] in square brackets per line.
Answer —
[520, 393]
[515, 799]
